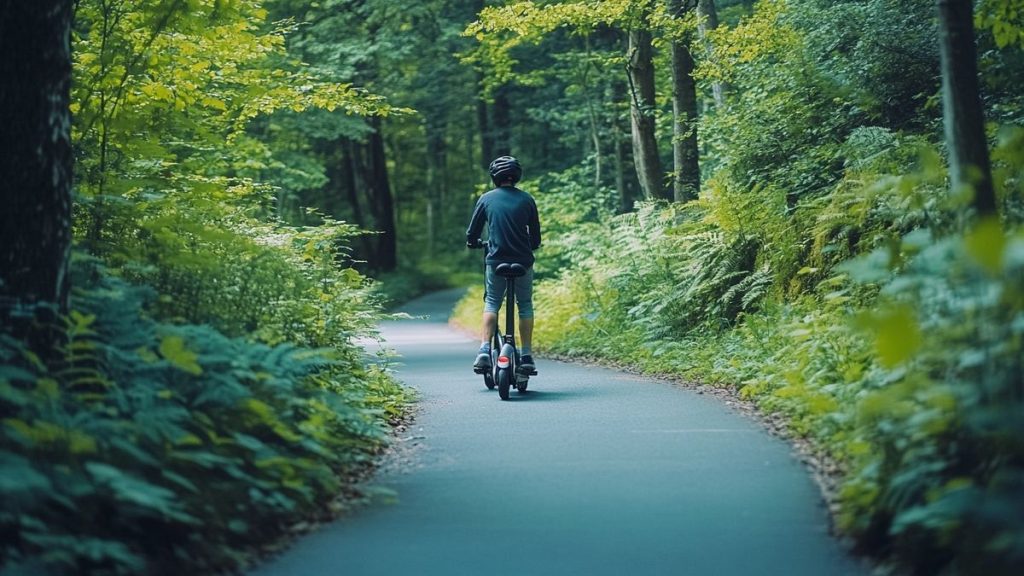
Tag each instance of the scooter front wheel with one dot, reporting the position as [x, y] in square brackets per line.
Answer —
[489, 380]
[504, 377]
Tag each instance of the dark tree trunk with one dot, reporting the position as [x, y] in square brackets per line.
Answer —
[595, 133]
[482, 112]
[685, 154]
[436, 180]
[645, 144]
[709, 21]
[353, 182]
[625, 175]
[384, 207]
[35, 165]
[964, 119]
[484, 126]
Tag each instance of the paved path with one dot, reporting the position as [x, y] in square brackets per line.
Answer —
[592, 472]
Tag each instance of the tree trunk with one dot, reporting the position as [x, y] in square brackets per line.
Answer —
[625, 177]
[435, 181]
[709, 21]
[484, 125]
[624, 192]
[595, 133]
[962, 112]
[482, 120]
[356, 182]
[640, 67]
[384, 206]
[685, 154]
[35, 166]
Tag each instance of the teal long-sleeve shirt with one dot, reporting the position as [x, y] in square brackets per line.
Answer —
[513, 225]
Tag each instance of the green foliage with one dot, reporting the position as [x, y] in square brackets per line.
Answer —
[825, 273]
[572, 211]
[830, 277]
[404, 284]
[501, 29]
[170, 187]
[1005, 18]
[209, 391]
[898, 353]
[807, 75]
[152, 448]
[164, 101]
[270, 282]
[404, 52]
[942, 481]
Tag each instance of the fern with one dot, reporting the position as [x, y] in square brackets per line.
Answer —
[186, 457]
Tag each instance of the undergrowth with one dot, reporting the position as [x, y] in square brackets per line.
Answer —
[154, 448]
[883, 326]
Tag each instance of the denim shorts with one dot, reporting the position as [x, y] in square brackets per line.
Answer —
[495, 295]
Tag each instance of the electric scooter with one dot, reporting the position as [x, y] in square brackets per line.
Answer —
[505, 369]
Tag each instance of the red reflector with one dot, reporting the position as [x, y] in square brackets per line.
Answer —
[503, 359]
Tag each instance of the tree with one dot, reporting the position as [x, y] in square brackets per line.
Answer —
[685, 153]
[708, 14]
[502, 29]
[964, 120]
[36, 163]
[640, 66]
[366, 42]
[382, 203]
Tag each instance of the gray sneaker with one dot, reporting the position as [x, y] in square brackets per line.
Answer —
[526, 365]
[482, 362]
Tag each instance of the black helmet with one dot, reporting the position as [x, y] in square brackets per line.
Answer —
[505, 168]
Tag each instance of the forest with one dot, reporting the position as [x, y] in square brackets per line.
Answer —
[209, 204]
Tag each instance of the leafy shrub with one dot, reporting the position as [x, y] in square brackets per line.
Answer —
[158, 449]
[940, 485]
[868, 318]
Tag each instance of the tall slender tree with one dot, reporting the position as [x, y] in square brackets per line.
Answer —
[626, 181]
[484, 125]
[36, 162]
[640, 66]
[964, 120]
[381, 201]
[708, 13]
[483, 109]
[685, 154]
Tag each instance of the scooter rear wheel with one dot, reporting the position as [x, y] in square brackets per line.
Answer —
[504, 377]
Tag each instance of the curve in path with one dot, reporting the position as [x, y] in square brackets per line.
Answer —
[592, 472]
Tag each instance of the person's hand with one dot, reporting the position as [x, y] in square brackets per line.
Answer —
[474, 244]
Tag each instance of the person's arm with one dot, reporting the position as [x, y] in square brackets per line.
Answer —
[476, 224]
[534, 228]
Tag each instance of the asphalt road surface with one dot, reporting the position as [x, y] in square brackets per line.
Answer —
[591, 472]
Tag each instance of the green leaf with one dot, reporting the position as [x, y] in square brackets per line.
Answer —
[172, 348]
[130, 489]
[19, 476]
[897, 335]
[986, 244]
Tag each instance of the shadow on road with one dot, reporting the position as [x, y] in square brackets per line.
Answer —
[544, 395]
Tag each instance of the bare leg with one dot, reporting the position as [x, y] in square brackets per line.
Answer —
[490, 324]
[526, 331]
